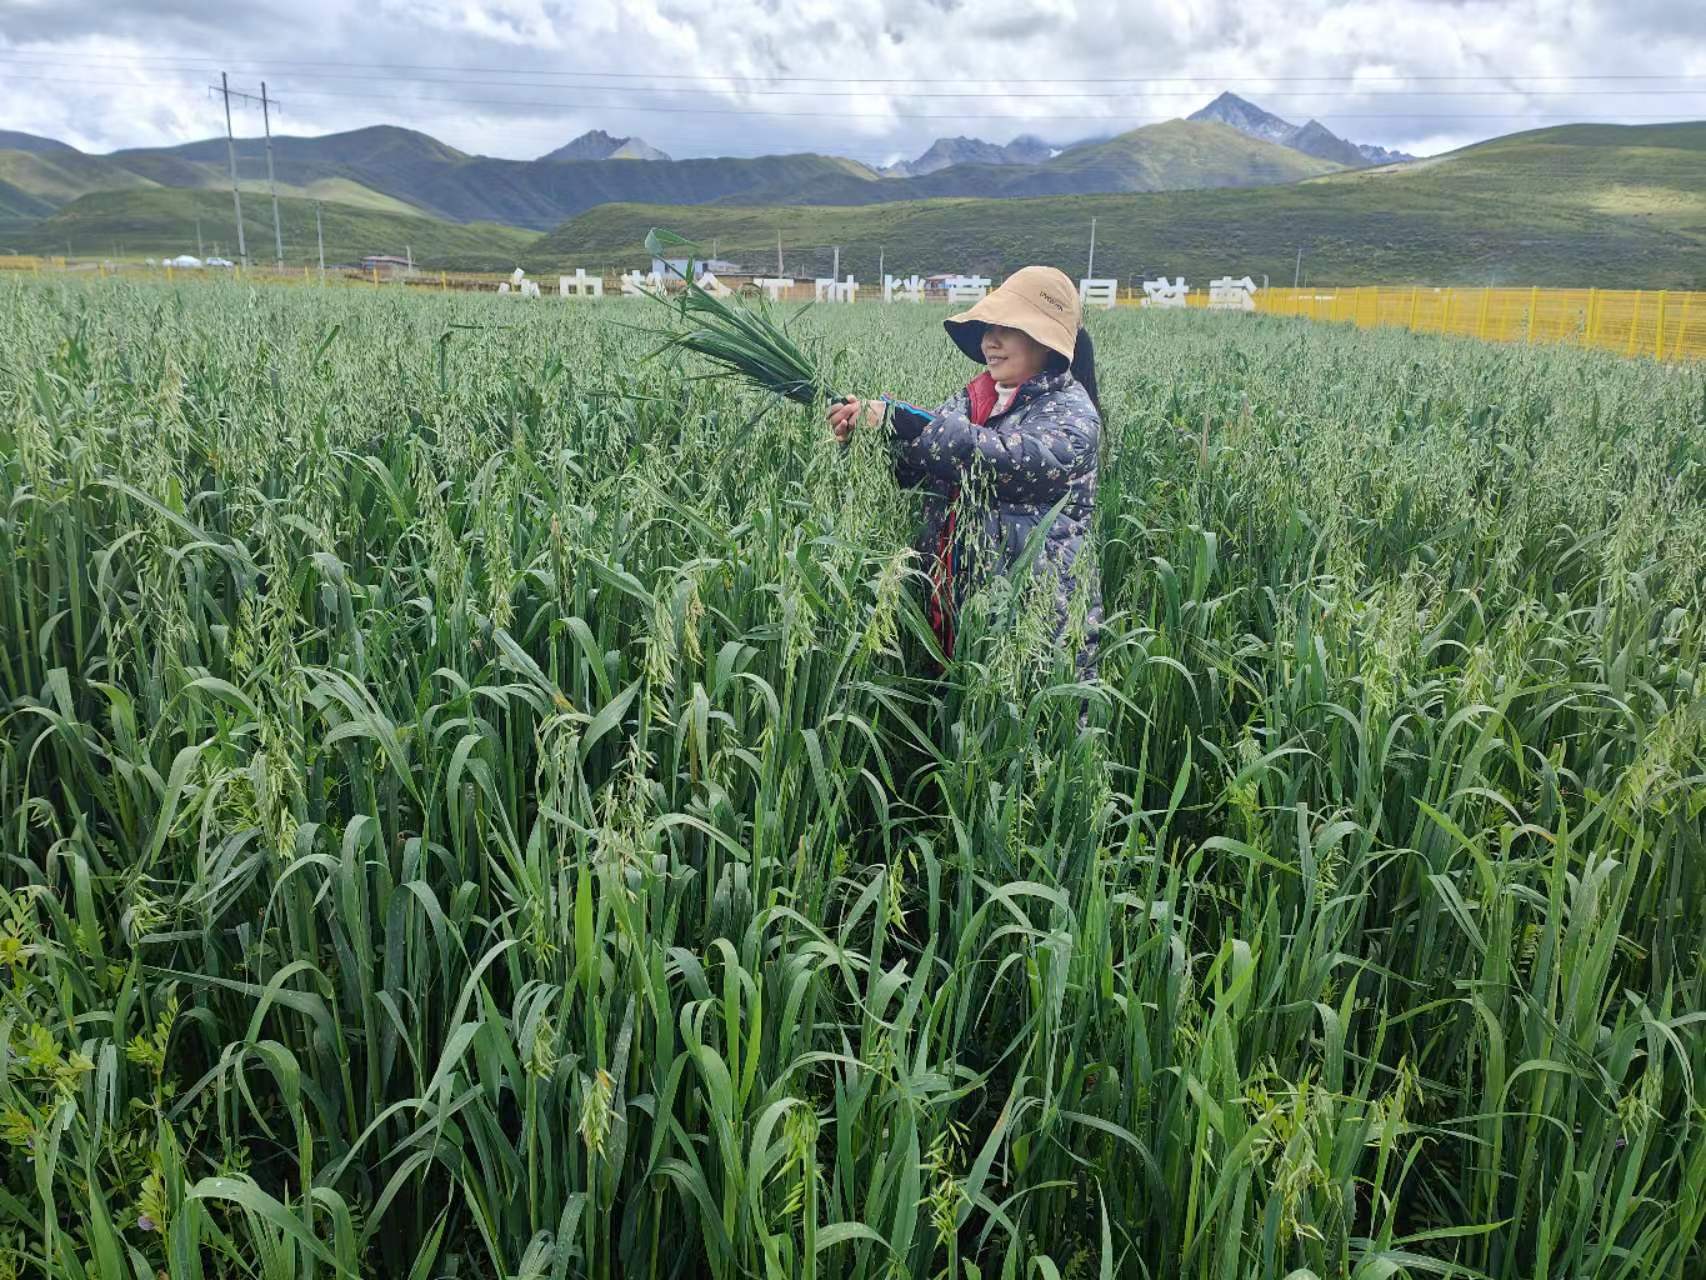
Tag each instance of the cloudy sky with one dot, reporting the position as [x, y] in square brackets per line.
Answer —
[872, 79]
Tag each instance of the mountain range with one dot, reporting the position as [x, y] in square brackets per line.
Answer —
[400, 170]
[595, 144]
[944, 152]
[1613, 206]
[1312, 138]
[1617, 206]
[1235, 189]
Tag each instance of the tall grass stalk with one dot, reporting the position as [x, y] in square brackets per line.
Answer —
[485, 808]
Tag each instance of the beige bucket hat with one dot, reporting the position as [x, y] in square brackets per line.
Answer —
[1039, 301]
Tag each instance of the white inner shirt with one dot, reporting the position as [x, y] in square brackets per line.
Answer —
[1003, 397]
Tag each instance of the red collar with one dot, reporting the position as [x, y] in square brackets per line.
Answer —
[981, 396]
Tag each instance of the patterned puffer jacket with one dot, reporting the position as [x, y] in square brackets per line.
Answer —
[990, 479]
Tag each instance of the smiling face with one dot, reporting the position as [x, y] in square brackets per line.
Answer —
[1012, 354]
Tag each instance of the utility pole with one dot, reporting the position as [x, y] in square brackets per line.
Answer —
[835, 263]
[880, 274]
[266, 123]
[320, 239]
[409, 257]
[1297, 274]
[198, 252]
[231, 153]
[1090, 268]
[778, 251]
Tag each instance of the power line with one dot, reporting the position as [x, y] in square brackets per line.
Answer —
[987, 94]
[269, 65]
[555, 105]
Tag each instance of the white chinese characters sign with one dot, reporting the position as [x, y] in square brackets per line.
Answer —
[829, 289]
[580, 285]
[635, 285]
[1098, 293]
[1227, 294]
[964, 289]
[1161, 293]
[896, 289]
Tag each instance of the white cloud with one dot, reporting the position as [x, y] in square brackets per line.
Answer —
[867, 75]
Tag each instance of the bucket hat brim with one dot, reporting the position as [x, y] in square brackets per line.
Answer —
[1040, 302]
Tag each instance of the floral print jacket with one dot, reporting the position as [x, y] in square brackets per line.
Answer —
[991, 479]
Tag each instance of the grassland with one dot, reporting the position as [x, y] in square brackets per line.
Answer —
[162, 221]
[474, 802]
[1611, 206]
[56, 178]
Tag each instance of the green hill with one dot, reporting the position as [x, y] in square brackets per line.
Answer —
[538, 194]
[161, 222]
[16, 205]
[13, 140]
[1173, 156]
[413, 169]
[168, 169]
[383, 158]
[1180, 155]
[59, 177]
[1582, 205]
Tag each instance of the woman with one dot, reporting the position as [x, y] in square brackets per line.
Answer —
[997, 458]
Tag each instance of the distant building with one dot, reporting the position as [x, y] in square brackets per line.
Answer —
[388, 263]
[676, 268]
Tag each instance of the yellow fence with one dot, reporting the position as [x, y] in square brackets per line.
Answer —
[1666, 326]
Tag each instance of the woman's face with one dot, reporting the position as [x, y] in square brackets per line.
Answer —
[1012, 355]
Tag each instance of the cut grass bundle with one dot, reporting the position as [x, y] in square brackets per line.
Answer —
[744, 340]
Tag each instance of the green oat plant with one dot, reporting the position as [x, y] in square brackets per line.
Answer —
[742, 340]
[490, 809]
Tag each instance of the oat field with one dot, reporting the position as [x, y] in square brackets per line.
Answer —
[477, 803]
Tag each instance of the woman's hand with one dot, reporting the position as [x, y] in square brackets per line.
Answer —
[849, 413]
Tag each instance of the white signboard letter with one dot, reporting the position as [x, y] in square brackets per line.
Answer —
[1227, 294]
[911, 289]
[635, 285]
[580, 285]
[829, 289]
[964, 289]
[1159, 293]
[1102, 293]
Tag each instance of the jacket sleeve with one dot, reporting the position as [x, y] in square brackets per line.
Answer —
[1052, 442]
[902, 419]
